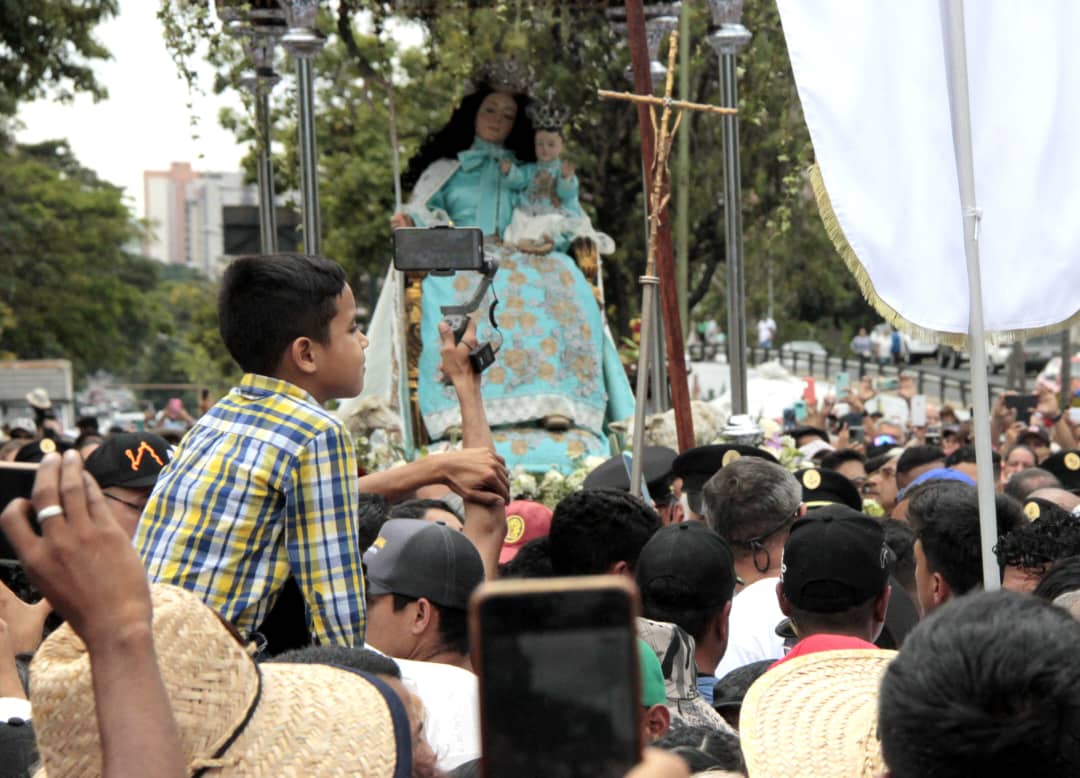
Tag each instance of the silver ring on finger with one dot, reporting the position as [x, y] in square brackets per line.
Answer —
[48, 512]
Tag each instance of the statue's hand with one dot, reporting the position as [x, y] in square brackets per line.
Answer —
[504, 166]
[399, 220]
[567, 170]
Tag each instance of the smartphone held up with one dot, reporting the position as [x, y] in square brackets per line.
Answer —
[559, 676]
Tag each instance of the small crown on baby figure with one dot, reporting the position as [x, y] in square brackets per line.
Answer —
[548, 113]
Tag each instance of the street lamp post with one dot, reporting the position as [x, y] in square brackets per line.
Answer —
[727, 39]
[304, 42]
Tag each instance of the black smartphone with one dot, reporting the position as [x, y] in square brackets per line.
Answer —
[789, 417]
[438, 249]
[16, 480]
[1023, 404]
[559, 676]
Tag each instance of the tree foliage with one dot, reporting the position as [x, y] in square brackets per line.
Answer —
[47, 46]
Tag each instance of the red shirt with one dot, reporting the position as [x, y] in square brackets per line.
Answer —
[823, 642]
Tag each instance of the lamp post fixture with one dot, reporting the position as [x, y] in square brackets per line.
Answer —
[304, 42]
[260, 31]
[727, 38]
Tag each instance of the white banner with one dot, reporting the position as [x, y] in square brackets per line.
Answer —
[871, 75]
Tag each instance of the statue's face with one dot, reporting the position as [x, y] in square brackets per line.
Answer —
[496, 117]
[549, 145]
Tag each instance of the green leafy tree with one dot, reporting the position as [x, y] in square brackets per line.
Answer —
[48, 47]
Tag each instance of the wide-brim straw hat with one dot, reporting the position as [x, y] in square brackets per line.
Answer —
[815, 717]
[235, 717]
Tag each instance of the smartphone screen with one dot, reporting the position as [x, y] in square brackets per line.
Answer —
[789, 418]
[559, 677]
[800, 410]
[810, 390]
[918, 410]
[1023, 404]
[843, 384]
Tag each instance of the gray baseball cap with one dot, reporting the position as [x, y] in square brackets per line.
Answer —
[417, 558]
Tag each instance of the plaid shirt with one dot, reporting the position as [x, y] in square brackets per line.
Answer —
[262, 486]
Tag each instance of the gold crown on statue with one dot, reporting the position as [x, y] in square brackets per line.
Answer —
[504, 75]
[548, 113]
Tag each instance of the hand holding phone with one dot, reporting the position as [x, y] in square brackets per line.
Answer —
[1023, 404]
[918, 410]
[559, 676]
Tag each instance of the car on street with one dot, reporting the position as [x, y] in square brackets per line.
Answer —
[997, 356]
[1040, 350]
[804, 347]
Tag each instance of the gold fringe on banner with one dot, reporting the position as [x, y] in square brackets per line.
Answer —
[866, 285]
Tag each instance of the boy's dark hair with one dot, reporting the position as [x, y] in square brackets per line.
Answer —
[594, 529]
[704, 748]
[269, 300]
[967, 454]
[900, 539]
[988, 685]
[1062, 577]
[945, 517]
[362, 660]
[453, 624]
[917, 456]
[533, 560]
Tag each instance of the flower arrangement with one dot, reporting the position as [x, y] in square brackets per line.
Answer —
[550, 487]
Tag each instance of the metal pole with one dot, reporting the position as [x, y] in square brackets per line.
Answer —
[727, 41]
[265, 171]
[309, 159]
[649, 284]
[1066, 369]
[952, 25]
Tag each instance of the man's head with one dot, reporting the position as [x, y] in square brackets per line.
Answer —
[525, 521]
[848, 463]
[821, 487]
[602, 531]
[881, 479]
[1065, 466]
[419, 578]
[686, 575]
[1028, 551]
[1029, 480]
[751, 503]
[948, 556]
[1017, 458]
[293, 316]
[1060, 497]
[987, 686]
[696, 466]
[963, 460]
[917, 460]
[427, 510]
[834, 577]
[126, 466]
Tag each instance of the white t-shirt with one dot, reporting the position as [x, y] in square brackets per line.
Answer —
[451, 697]
[755, 612]
[765, 329]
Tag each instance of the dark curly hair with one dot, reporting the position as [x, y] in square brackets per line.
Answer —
[459, 132]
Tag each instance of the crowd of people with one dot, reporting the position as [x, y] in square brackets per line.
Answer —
[243, 603]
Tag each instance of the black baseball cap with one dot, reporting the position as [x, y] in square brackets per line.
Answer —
[686, 566]
[821, 487]
[417, 558]
[834, 559]
[696, 466]
[129, 459]
[655, 469]
[1066, 466]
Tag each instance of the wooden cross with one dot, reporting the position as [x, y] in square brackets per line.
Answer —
[660, 191]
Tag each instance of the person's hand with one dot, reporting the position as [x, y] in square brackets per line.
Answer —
[25, 622]
[399, 220]
[83, 561]
[477, 474]
[568, 170]
[1001, 412]
[1013, 432]
[456, 366]
[1047, 402]
[865, 390]
[907, 387]
[504, 166]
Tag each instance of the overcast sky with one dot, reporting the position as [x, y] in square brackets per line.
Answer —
[144, 123]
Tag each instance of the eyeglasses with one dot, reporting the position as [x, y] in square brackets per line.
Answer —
[131, 505]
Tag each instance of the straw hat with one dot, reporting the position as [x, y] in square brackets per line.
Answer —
[235, 717]
[816, 717]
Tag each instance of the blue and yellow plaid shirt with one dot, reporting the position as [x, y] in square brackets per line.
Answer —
[262, 486]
